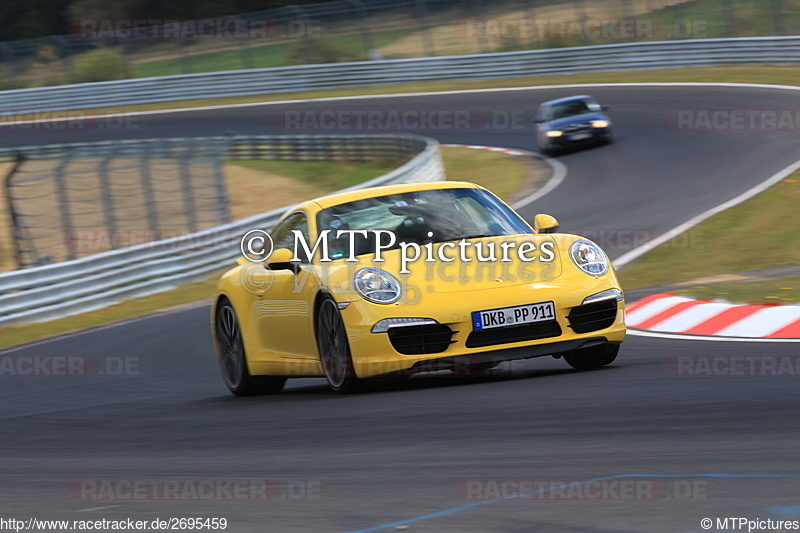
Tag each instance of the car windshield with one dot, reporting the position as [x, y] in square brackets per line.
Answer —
[572, 108]
[419, 217]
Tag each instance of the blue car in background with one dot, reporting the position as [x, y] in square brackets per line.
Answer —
[570, 122]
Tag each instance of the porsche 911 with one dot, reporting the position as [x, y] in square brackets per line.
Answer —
[401, 279]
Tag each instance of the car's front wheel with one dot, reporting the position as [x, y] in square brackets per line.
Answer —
[232, 359]
[591, 358]
[334, 350]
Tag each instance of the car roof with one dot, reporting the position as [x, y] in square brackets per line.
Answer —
[567, 99]
[330, 200]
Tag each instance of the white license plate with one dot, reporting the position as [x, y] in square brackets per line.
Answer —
[579, 136]
[513, 316]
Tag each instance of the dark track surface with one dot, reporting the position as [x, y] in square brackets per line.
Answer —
[404, 451]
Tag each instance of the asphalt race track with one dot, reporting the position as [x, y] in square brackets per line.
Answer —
[664, 448]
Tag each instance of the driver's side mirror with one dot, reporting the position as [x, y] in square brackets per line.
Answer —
[545, 224]
[281, 259]
[605, 107]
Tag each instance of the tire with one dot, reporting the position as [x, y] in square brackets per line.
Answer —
[334, 350]
[592, 358]
[232, 359]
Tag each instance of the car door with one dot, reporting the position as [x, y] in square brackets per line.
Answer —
[286, 306]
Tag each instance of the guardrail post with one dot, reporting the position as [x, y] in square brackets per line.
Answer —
[16, 226]
[186, 185]
[147, 188]
[777, 17]
[529, 7]
[8, 59]
[127, 65]
[108, 199]
[363, 23]
[185, 59]
[424, 27]
[628, 14]
[679, 30]
[307, 42]
[64, 205]
[580, 12]
[65, 55]
[729, 6]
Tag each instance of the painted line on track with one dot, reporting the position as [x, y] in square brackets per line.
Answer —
[692, 222]
[461, 508]
[706, 338]
[403, 95]
[558, 176]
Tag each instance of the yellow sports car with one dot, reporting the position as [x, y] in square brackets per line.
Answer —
[410, 278]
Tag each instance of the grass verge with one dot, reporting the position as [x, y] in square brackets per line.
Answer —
[784, 291]
[251, 193]
[192, 292]
[323, 175]
[756, 234]
[502, 174]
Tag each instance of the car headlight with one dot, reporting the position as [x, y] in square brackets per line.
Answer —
[382, 326]
[377, 286]
[554, 133]
[599, 123]
[588, 257]
[608, 294]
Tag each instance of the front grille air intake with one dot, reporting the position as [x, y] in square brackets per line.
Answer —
[422, 339]
[592, 317]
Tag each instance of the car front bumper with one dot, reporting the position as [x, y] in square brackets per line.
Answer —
[454, 343]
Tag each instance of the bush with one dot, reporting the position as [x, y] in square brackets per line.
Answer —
[101, 64]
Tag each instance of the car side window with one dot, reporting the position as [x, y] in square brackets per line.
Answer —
[283, 234]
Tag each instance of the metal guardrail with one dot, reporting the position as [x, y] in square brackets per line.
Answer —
[94, 282]
[614, 57]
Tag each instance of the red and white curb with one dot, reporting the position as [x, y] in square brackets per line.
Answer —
[676, 314]
[489, 148]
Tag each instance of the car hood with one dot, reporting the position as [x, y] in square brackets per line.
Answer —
[463, 274]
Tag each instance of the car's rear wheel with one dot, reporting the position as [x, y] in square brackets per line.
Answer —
[334, 350]
[591, 358]
[232, 359]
